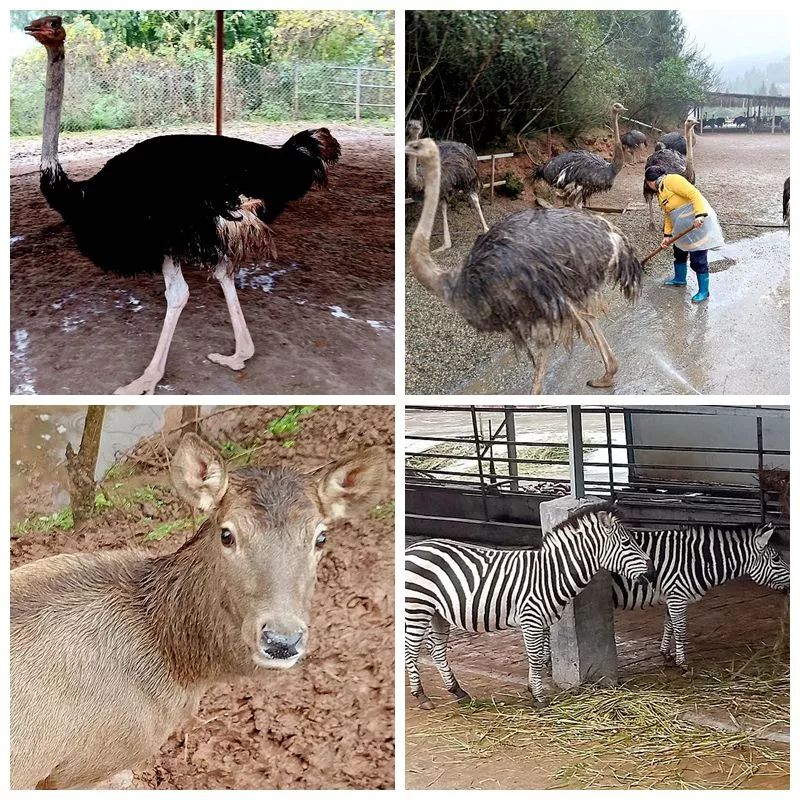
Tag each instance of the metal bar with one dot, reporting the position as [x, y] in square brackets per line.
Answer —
[491, 186]
[643, 124]
[358, 94]
[363, 85]
[490, 156]
[610, 452]
[760, 439]
[511, 448]
[480, 465]
[219, 44]
[575, 445]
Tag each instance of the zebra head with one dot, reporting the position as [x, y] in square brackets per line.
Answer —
[619, 552]
[766, 566]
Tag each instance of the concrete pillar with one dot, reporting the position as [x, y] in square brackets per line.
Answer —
[582, 641]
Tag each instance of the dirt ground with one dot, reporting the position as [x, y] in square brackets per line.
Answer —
[724, 630]
[329, 723]
[736, 343]
[321, 316]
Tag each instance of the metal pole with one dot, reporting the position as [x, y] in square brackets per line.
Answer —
[511, 448]
[219, 44]
[358, 94]
[760, 438]
[477, 435]
[575, 446]
[295, 90]
[610, 454]
[491, 185]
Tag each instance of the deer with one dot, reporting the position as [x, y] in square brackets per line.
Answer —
[112, 651]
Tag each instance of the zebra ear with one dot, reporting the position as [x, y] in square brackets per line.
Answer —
[762, 537]
[605, 519]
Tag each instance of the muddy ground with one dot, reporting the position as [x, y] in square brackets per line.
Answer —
[736, 343]
[725, 630]
[329, 723]
[321, 315]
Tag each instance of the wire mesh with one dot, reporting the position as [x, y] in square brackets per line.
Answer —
[150, 92]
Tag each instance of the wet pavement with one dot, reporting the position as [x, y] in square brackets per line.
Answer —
[738, 342]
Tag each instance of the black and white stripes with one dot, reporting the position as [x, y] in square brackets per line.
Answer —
[689, 562]
[486, 589]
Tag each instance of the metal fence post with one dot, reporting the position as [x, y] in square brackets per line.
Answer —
[575, 445]
[511, 448]
[358, 94]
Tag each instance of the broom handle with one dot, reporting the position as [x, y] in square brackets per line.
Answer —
[670, 241]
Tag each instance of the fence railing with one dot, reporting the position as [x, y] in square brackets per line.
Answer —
[156, 93]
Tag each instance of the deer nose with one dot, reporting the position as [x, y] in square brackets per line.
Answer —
[281, 645]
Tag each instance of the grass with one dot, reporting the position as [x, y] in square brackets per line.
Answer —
[60, 520]
[168, 528]
[631, 736]
[383, 510]
[289, 423]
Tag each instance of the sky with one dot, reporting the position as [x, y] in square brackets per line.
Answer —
[726, 35]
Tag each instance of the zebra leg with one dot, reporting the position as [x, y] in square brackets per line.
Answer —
[475, 200]
[534, 646]
[440, 630]
[666, 640]
[677, 611]
[445, 228]
[547, 655]
[415, 635]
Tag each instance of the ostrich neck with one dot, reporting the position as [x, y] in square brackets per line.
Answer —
[412, 176]
[53, 98]
[689, 150]
[422, 264]
[619, 156]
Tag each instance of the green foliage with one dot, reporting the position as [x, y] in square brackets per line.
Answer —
[168, 528]
[60, 520]
[233, 451]
[289, 423]
[383, 510]
[484, 76]
[513, 187]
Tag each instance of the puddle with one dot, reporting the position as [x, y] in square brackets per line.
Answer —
[253, 278]
[24, 373]
[39, 438]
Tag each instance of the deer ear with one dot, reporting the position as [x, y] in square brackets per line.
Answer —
[199, 473]
[353, 485]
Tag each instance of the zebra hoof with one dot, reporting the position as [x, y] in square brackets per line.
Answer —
[424, 702]
[668, 658]
[460, 694]
[540, 702]
[685, 669]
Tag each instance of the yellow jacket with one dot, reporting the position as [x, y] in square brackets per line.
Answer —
[675, 191]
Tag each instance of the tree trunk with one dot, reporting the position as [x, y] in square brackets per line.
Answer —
[81, 466]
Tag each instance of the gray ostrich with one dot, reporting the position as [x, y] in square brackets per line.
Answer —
[537, 275]
[578, 174]
[673, 162]
[786, 201]
[632, 142]
[675, 140]
[459, 176]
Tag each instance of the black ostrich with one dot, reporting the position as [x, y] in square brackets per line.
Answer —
[675, 140]
[673, 162]
[537, 275]
[459, 176]
[786, 201]
[173, 201]
[578, 174]
[632, 142]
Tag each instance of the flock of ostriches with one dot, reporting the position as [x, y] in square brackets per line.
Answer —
[538, 274]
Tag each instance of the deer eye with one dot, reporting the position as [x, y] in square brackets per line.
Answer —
[322, 537]
[227, 538]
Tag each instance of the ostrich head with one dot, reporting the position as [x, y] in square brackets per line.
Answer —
[48, 31]
[414, 129]
[617, 109]
[425, 150]
[660, 146]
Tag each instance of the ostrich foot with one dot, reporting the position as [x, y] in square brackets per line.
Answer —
[234, 361]
[146, 384]
[442, 248]
[603, 382]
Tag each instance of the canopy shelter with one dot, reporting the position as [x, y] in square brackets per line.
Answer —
[755, 111]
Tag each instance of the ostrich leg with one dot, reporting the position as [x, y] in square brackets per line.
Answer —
[445, 228]
[652, 218]
[607, 354]
[540, 368]
[244, 344]
[177, 294]
[473, 196]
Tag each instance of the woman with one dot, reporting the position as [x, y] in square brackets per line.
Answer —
[684, 207]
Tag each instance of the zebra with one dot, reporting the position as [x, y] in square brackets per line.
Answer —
[690, 562]
[479, 588]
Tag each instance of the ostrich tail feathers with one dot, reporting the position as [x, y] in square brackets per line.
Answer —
[62, 193]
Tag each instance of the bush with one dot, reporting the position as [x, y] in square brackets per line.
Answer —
[513, 187]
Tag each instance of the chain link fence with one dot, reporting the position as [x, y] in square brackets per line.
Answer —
[151, 93]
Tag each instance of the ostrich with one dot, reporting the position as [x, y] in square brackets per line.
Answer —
[537, 275]
[578, 174]
[177, 200]
[673, 162]
[632, 142]
[459, 176]
[786, 201]
[675, 140]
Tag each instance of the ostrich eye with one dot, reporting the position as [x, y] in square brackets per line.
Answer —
[227, 538]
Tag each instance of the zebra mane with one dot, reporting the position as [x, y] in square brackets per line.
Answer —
[586, 511]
